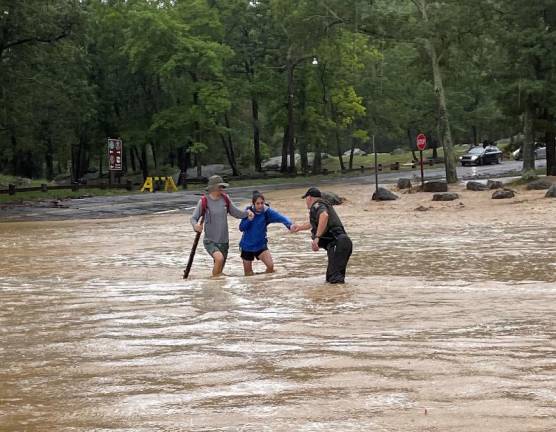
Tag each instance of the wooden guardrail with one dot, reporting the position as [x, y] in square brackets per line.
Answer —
[13, 189]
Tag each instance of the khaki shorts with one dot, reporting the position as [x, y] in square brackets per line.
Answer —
[212, 247]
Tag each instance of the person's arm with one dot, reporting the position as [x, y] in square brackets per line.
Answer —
[303, 226]
[277, 217]
[322, 224]
[321, 228]
[245, 223]
[195, 218]
[237, 213]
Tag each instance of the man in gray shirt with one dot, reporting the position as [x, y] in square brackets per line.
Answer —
[215, 206]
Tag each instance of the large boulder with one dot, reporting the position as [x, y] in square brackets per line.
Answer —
[540, 184]
[333, 198]
[551, 192]
[503, 194]
[384, 195]
[445, 196]
[476, 186]
[435, 186]
[495, 184]
[404, 183]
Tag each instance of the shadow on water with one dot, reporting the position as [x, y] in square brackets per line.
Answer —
[98, 332]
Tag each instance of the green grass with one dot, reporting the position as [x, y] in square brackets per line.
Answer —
[333, 164]
[523, 181]
[21, 197]
[5, 180]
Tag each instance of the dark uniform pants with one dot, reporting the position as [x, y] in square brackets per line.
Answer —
[339, 252]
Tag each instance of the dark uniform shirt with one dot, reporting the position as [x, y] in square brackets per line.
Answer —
[334, 227]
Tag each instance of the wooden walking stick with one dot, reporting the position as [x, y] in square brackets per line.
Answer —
[193, 250]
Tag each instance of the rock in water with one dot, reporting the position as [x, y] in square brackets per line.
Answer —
[539, 185]
[445, 196]
[404, 183]
[333, 198]
[435, 186]
[551, 192]
[384, 195]
[503, 194]
[476, 186]
[422, 208]
[495, 184]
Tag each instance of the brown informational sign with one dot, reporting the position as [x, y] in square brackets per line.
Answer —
[115, 149]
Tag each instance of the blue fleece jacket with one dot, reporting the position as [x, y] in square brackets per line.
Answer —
[254, 232]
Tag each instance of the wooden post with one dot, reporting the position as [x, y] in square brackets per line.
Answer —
[422, 172]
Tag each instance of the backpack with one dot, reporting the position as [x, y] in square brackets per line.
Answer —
[204, 203]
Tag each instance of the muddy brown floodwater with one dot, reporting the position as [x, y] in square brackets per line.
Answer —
[447, 323]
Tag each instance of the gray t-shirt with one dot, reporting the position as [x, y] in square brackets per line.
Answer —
[216, 219]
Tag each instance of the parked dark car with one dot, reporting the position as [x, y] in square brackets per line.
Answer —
[481, 156]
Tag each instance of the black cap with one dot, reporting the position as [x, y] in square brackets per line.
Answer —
[314, 192]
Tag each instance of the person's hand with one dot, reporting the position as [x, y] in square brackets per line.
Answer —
[294, 228]
[250, 215]
[315, 245]
[198, 228]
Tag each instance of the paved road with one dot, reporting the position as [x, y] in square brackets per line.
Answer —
[139, 204]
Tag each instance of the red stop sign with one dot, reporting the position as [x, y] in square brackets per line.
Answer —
[421, 142]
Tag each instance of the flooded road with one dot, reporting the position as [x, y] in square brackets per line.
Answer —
[439, 328]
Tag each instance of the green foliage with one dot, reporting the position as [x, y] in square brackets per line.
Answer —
[176, 79]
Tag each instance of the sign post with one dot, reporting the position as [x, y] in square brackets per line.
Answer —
[422, 145]
[115, 150]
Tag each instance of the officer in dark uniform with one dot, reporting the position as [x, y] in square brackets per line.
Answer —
[327, 233]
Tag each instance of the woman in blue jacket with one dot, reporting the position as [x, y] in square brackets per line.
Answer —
[254, 243]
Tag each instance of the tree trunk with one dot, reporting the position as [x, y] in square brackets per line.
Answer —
[475, 135]
[143, 161]
[15, 153]
[230, 153]
[227, 150]
[337, 136]
[550, 154]
[182, 163]
[317, 160]
[196, 124]
[303, 126]
[79, 157]
[291, 125]
[352, 149]
[446, 133]
[529, 141]
[256, 134]
[49, 158]
[132, 159]
[284, 162]
[153, 151]
[199, 164]
[100, 162]
[124, 160]
[339, 149]
[411, 145]
[550, 140]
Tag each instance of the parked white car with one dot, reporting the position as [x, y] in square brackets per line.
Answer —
[356, 152]
[540, 153]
